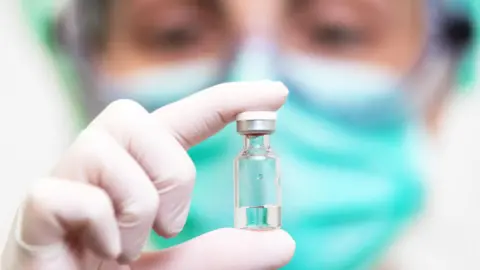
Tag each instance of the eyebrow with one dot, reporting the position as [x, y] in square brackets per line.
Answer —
[213, 5]
[152, 12]
[298, 5]
[145, 5]
[376, 6]
[371, 12]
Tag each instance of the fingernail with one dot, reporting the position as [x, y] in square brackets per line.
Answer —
[281, 85]
[125, 259]
[177, 221]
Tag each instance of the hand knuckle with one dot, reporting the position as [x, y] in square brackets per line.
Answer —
[91, 146]
[149, 203]
[122, 117]
[125, 107]
[184, 172]
[141, 209]
[102, 203]
[35, 195]
[189, 171]
[37, 198]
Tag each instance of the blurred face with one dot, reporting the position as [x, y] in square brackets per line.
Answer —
[382, 32]
[145, 33]
[157, 33]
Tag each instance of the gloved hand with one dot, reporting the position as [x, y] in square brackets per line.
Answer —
[128, 172]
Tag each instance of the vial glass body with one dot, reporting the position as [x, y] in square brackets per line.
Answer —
[257, 186]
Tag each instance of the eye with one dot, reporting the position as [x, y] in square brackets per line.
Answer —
[336, 36]
[177, 38]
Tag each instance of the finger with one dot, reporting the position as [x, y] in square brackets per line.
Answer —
[54, 209]
[164, 160]
[201, 115]
[154, 145]
[96, 158]
[225, 249]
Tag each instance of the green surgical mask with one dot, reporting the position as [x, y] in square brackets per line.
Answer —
[347, 193]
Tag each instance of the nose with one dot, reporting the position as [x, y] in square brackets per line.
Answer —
[258, 25]
[256, 18]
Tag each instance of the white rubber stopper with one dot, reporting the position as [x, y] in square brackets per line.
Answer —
[257, 115]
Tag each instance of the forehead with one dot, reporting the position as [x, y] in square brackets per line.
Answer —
[261, 16]
[266, 8]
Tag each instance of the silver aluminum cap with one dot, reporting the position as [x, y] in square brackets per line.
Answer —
[256, 122]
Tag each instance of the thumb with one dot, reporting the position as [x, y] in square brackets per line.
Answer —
[225, 249]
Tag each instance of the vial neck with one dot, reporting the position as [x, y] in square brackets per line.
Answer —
[257, 141]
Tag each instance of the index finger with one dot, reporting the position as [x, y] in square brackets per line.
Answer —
[203, 114]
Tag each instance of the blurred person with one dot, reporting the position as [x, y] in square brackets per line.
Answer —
[367, 81]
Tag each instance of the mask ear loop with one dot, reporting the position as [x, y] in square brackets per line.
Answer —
[449, 34]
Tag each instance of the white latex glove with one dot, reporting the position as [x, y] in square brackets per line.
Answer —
[128, 172]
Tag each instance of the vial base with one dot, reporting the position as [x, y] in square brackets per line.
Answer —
[266, 217]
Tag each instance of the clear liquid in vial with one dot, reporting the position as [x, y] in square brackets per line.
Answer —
[266, 217]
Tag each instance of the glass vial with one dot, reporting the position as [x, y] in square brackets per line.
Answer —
[257, 174]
